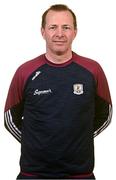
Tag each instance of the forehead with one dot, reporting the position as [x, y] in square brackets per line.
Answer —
[59, 17]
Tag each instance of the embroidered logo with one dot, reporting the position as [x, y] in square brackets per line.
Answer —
[37, 92]
[36, 74]
[78, 89]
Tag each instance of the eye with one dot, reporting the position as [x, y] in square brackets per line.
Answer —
[52, 27]
[66, 27]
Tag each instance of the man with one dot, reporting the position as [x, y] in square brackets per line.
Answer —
[56, 104]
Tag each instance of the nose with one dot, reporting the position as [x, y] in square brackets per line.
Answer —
[59, 32]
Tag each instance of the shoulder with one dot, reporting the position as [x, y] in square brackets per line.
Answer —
[30, 66]
[85, 61]
[24, 71]
[89, 64]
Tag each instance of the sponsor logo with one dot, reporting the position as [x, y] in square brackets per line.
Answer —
[36, 74]
[37, 92]
[78, 89]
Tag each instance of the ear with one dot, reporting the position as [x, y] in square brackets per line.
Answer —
[43, 32]
[75, 33]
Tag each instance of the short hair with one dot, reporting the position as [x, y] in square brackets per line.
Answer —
[58, 7]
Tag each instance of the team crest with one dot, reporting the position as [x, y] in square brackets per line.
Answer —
[78, 89]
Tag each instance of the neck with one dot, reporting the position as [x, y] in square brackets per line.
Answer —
[59, 58]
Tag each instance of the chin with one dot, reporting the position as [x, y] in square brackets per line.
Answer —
[60, 52]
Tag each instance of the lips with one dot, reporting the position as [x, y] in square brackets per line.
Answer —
[59, 42]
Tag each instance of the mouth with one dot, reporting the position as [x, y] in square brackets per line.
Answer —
[59, 42]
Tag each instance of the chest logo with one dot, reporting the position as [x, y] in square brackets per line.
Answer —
[78, 89]
[36, 74]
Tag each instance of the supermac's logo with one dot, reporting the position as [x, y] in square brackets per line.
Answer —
[78, 89]
[37, 92]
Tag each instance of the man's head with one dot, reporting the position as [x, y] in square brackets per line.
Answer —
[58, 8]
[59, 29]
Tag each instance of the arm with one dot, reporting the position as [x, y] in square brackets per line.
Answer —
[103, 104]
[13, 111]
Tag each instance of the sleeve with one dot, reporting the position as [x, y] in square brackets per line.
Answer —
[103, 103]
[13, 112]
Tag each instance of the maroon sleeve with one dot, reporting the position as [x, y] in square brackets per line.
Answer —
[103, 103]
[14, 106]
[13, 112]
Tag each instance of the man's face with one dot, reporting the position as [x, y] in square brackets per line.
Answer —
[59, 32]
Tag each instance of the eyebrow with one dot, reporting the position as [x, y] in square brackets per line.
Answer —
[61, 25]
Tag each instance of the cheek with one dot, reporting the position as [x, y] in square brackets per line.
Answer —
[48, 37]
[70, 37]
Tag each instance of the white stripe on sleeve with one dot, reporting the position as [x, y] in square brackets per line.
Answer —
[11, 126]
[106, 123]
